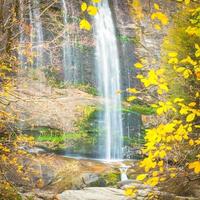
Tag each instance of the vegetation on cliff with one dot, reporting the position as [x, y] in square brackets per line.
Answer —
[167, 90]
[172, 147]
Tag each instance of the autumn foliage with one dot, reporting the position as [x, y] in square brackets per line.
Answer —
[172, 147]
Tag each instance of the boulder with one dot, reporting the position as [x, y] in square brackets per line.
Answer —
[94, 193]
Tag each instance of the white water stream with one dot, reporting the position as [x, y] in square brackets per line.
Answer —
[36, 32]
[108, 81]
[35, 38]
[68, 57]
[107, 69]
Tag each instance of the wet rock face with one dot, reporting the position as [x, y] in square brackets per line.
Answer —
[151, 39]
[83, 42]
[7, 26]
[127, 28]
[56, 174]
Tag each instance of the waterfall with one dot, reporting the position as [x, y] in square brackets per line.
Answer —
[34, 39]
[37, 40]
[21, 36]
[123, 170]
[69, 57]
[108, 81]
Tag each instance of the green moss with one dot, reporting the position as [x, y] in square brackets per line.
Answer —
[45, 134]
[54, 78]
[88, 124]
[112, 179]
[108, 179]
[83, 141]
[59, 138]
[127, 39]
[83, 48]
[134, 140]
[141, 109]
[87, 88]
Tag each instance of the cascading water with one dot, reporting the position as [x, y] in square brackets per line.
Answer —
[108, 81]
[22, 35]
[36, 32]
[33, 39]
[107, 66]
[69, 56]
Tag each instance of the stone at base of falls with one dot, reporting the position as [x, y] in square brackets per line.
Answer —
[89, 178]
[129, 183]
[95, 193]
[121, 184]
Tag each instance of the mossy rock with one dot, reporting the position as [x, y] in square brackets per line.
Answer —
[108, 179]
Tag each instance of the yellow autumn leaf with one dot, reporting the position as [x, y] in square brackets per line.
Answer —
[192, 104]
[172, 175]
[178, 137]
[143, 61]
[160, 91]
[191, 142]
[130, 191]
[160, 163]
[187, 73]
[138, 65]
[131, 90]
[197, 53]
[157, 27]
[136, 5]
[180, 69]
[196, 166]
[141, 177]
[172, 54]
[190, 117]
[187, 2]
[162, 154]
[176, 100]
[156, 173]
[197, 73]
[139, 76]
[161, 17]
[173, 61]
[84, 24]
[96, 1]
[156, 6]
[153, 181]
[160, 72]
[131, 98]
[92, 10]
[189, 60]
[163, 179]
[84, 6]
[163, 87]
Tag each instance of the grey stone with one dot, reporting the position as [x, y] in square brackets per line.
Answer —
[89, 178]
[124, 183]
[143, 193]
[93, 194]
[140, 198]
[186, 198]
